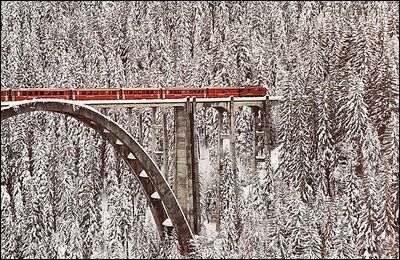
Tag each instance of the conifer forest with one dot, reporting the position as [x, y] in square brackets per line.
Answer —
[330, 188]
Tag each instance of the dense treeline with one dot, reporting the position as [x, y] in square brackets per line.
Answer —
[335, 194]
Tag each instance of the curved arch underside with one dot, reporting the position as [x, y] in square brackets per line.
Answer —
[163, 203]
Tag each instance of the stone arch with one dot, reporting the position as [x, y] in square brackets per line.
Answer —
[164, 206]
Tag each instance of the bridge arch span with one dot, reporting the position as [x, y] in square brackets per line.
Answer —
[163, 203]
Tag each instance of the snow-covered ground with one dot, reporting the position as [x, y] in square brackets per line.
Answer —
[275, 157]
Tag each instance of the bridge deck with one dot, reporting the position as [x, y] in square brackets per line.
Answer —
[139, 103]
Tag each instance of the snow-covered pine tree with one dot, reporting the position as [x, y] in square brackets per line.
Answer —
[367, 241]
[229, 233]
[388, 213]
[8, 224]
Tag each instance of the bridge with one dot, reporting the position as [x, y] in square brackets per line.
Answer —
[176, 207]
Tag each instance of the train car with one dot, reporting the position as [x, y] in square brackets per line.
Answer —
[176, 93]
[31, 93]
[252, 92]
[6, 95]
[96, 94]
[141, 93]
[222, 92]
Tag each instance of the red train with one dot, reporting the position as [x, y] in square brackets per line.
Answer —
[131, 93]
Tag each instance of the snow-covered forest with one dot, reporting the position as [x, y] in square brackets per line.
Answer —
[332, 193]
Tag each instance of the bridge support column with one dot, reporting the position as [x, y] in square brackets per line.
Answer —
[258, 132]
[186, 184]
[165, 145]
[255, 139]
[153, 145]
[219, 169]
[140, 126]
[129, 120]
[266, 109]
[232, 136]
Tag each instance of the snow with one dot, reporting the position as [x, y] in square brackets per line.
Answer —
[246, 191]
[143, 174]
[275, 157]
[131, 156]
[155, 195]
[205, 167]
[167, 223]
[211, 228]
[226, 144]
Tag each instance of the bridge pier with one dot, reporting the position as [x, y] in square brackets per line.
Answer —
[165, 145]
[153, 143]
[140, 126]
[219, 168]
[266, 115]
[185, 184]
[231, 135]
